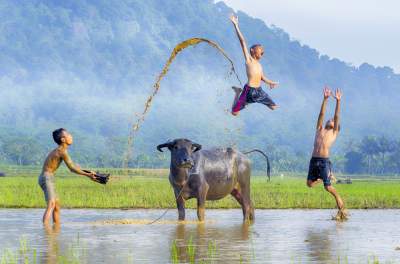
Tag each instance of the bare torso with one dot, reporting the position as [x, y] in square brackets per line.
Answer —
[53, 160]
[324, 138]
[254, 73]
[58, 155]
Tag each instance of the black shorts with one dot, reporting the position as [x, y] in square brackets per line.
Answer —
[320, 168]
[251, 95]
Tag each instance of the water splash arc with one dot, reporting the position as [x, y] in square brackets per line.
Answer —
[178, 48]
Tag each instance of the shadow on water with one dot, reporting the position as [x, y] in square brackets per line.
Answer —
[201, 242]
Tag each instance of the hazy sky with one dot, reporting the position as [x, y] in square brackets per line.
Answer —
[355, 31]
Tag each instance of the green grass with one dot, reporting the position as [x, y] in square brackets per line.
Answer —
[28, 255]
[155, 192]
[188, 253]
[180, 252]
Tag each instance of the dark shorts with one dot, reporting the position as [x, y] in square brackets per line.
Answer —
[251, 95]
[320, 168]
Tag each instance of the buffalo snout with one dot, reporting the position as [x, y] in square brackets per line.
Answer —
[186, 163]
[183, 159]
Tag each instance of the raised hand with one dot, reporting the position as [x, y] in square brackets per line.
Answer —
[234, 19]
[327, 92]
[338, 94]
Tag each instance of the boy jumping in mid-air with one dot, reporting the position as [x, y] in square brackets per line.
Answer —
[320, 165]
[252, 92]
[51, 164]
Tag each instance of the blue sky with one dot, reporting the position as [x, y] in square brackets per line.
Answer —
[355, 31]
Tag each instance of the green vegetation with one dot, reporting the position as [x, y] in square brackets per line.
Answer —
[181, 252]
[75, 254]
[373, 155]
[89, 67]
[186, 253]
[155, 192]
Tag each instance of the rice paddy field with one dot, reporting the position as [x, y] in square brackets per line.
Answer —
[144, 188]
[277, 236]
[95, 222]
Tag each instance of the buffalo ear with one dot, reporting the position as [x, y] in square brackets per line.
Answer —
[165, 145]
[196, 147]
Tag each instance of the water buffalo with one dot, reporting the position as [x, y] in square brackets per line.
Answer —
[209, 175]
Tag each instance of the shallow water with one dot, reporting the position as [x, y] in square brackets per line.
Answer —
[277, 236]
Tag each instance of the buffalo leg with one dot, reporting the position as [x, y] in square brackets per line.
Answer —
[248, 210]
[180, 204]
[252, 217]
[239, 197]
[201, 202]
[236, 194]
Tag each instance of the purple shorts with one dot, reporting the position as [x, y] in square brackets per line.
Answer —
[251, 95]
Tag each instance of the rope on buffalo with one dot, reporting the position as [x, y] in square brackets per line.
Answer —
[166, 211]
[235, 167]
[140, 118]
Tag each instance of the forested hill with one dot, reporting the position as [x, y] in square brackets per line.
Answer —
[89, 65]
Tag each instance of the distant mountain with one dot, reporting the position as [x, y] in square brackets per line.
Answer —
[89, 66]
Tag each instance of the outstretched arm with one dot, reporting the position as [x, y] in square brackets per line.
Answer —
[321, 116]
[73, 168]
[338, 97]
[271, 84]
[235, 22]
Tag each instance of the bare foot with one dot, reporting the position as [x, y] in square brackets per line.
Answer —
[273, 107]
[237, 90]
[342, 215]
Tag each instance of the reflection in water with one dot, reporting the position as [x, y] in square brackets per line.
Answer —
[321, 243]
[52, 249]
[201, 242]
[278, 236]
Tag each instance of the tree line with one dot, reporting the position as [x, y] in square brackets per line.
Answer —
[370, 155]
[373, 155]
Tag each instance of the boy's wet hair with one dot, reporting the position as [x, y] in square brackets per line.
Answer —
[58, 134]
[339, 127]
[254, 46]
